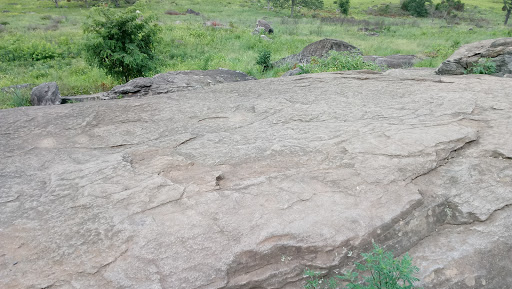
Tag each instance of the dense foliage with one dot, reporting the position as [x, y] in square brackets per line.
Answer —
[417, 8]
[344, 6]
[121, 42]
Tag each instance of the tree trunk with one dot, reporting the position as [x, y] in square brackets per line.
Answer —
[86, 3]
[508, 15]
[268, 5]
[56, 3]
[293, 6]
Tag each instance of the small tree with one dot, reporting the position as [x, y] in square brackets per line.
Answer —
[264, 60]
[312, 4]
[121, 42]
[344, 6]
[507, 6]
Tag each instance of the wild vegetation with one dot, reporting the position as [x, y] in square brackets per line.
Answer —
[338, 61]
[40, 42]
[378, 270]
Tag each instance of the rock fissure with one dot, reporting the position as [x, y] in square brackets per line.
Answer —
[102, 267]
[443, 160]
[185, 141]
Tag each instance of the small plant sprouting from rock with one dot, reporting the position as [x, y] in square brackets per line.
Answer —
[483, 66]
[379, 270]
[264, 60]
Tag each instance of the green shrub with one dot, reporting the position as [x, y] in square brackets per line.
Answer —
[416, 8]
[483, 66]
[338, 61]
[264, 60]
[14, 97]
[450, 5]
[20, 49]
[344, 6]
[379, 270]
[121, 42]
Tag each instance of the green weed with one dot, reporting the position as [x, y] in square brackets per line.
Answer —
[483, 66]
[378, 270]
[14, 98]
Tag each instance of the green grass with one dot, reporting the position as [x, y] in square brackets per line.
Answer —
[42, 43]
[10, 98]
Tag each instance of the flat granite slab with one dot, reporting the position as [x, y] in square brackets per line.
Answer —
[245, 185]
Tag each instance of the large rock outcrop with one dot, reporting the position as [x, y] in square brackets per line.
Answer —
[498, 51]
[175, 81]
[244, 185]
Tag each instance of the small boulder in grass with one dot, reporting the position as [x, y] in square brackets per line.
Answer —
[45, 94]
[265, 25]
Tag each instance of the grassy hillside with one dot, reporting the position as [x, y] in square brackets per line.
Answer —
[41, 43]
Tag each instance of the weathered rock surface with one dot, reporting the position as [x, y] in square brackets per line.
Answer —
[317, 49]
[498, 50]
[393, 61]
[244, 185]
[45, 94]
[174, 81]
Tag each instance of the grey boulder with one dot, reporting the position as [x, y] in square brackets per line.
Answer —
[316, 49]
[263, 26]
[175, 81]
[498, 51]
[45, 94]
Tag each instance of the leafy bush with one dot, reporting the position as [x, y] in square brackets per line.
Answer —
[379, 270]
[450, 5]
[121, 43]
[344, 6]
[416, 8]
[264, 60]
[483, 66]
[337, 61]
